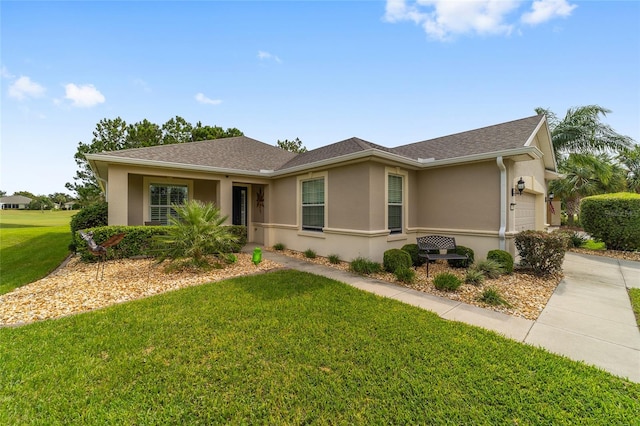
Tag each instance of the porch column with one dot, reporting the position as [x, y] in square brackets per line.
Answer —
[225, 198]
[118, 196]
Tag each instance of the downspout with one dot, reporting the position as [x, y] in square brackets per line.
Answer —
[503, 203]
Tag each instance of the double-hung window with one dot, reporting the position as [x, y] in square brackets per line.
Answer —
[162, 198]
[313, 204]
[394, 204]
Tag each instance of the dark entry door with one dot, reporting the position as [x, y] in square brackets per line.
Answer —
[240, 205]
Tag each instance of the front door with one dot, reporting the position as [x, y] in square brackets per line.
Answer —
[240, 205]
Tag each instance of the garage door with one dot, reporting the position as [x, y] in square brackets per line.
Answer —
[525, 212]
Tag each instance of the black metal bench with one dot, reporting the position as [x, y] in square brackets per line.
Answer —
[430, 248]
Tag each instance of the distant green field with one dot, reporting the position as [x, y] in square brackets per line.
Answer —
[32, 244]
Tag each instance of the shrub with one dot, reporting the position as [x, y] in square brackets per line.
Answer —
[334, 259]
[278, 246]
[361, 265]
[447, 281]
[196, 232]
[396, 258]
[574, 239]
[310, 254]
[504, 258]
[613, 219]
[454, 263]
[414, 251]
[138, 241]
[490, 268]
[239, 232]
[405, 275]
[541, 251]
[492, 296]
[93, 216]
[474, 276]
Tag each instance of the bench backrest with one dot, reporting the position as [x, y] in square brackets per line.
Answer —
[436, 242]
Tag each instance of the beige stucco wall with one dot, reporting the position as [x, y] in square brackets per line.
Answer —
[460, 197]
[135, 204]
[282, 201]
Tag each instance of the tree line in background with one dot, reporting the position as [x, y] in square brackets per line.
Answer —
[56, 200]
[592, 157]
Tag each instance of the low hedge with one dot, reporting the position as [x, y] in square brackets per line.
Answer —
[613, 219]
[414, 251]
[138, 240]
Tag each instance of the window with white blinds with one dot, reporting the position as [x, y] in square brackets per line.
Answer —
[162, 198]
[394, 203]
[313, 204]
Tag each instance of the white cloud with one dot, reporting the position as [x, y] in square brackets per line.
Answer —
[444, 19]
[266, 56]
[84, 96]
[545, 10]
[200, 97]
[24, 88]
[4, 73]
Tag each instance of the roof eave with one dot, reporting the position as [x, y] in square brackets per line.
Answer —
[171, 165]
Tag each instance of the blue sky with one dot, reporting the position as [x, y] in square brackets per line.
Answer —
[390, 72]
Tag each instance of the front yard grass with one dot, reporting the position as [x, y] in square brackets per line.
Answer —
[289, 347]
[634, 295]
[32, 244]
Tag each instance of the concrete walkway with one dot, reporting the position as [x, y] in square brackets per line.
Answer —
[588, 318]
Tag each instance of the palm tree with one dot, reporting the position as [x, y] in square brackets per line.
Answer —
[630, 159]
[586, 174]
[582, 131]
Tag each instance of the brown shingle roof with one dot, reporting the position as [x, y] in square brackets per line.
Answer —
[238, 153]
[500, 137]
[338, 149]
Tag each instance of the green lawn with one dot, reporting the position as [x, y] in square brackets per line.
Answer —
[634, 295]
[290, 348]
[32, 244]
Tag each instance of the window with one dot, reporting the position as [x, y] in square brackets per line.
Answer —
[313, 204]
[162, 197]
[394, 204]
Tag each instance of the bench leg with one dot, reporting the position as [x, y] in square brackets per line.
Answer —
[428, 268]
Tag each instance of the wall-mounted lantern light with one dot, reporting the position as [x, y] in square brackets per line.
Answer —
[550, 196]
[520, 187]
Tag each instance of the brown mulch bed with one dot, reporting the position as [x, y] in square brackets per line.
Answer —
[526, 294]
[74, 288]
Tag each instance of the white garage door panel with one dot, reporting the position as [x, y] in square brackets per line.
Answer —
[525, 212]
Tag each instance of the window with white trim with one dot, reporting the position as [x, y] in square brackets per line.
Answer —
[394, 203]
[313, 204]
[162, 198]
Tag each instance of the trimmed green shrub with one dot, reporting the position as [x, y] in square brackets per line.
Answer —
[613, 219]
[405, 275]
[492, 296]
[414, 251]
[334, 259]
[474, 277]
[239, 232]
[490, 268]
[278, 246]
[396, 258]
[447, 281]
[93, 216]
[504, 258]
[454, 263]
[138, 241]
[361, 265]
[542, 252]
[310, 254]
